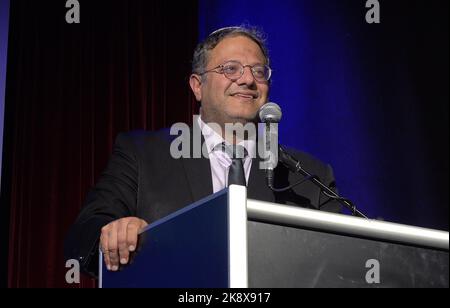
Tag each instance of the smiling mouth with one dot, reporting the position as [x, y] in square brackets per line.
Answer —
[245, 96]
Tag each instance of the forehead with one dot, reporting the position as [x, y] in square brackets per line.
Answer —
[240, 48]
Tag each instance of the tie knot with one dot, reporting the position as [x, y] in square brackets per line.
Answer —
[235, 151]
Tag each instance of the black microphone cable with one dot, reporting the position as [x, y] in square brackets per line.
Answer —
[294, 165]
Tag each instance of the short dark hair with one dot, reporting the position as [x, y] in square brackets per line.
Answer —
[201, 53]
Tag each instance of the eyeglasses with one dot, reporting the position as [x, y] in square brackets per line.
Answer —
[234, 70]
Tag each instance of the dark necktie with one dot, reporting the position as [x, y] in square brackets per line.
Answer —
[236, 173]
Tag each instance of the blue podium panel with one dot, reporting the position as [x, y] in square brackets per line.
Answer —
[188, 249]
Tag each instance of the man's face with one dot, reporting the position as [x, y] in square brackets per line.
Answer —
[226, 101]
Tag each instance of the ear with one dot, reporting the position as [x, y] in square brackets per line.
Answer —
[195, 81]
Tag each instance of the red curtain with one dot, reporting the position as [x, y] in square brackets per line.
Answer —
[71, 88]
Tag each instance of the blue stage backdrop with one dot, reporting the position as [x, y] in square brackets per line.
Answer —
[4, 20]
[356, 95]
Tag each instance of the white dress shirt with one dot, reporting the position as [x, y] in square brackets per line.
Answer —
[219, 160]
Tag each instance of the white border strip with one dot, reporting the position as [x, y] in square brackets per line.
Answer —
[237, 237]
[100, 269]
[4, 28]
[281, 214]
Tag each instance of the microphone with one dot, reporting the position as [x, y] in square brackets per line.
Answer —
[271, 115]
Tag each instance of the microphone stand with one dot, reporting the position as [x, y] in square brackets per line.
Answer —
[295, 166]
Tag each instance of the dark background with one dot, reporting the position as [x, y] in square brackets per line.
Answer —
[70, 90]
[372, 100]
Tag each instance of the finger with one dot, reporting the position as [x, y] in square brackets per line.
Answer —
[122, 242]
[132, 236]
[104, 247]
[112, 247]
[142, 225]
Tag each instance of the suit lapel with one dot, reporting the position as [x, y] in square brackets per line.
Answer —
[198, 170]
[199, 178]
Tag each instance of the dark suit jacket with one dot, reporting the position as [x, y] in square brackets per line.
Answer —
[143, 180]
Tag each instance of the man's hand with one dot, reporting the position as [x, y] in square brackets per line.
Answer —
[118, 239]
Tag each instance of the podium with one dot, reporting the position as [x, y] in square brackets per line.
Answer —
[227, 241]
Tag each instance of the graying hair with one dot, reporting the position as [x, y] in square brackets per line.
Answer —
[201, 53]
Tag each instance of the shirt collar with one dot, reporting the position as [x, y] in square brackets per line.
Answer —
[213, 139]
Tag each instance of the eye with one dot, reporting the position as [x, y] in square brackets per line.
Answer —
[259, 71]
[231, 68]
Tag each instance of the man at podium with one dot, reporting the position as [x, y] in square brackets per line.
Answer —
[143, 182]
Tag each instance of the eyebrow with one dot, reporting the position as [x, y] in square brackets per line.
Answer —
[257, 63]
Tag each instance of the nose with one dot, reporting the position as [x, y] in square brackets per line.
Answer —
[247, 77]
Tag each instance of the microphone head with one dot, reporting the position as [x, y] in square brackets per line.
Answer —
[270, 113]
